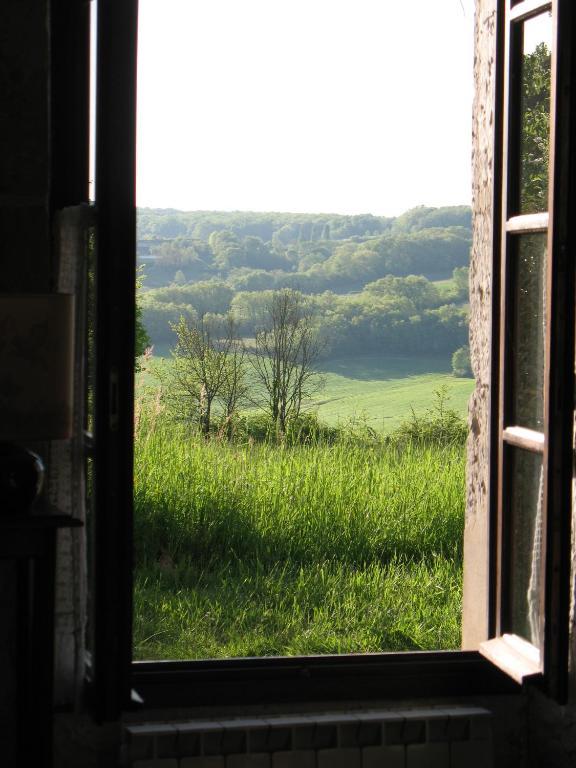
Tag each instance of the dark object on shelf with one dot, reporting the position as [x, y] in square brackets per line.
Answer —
[21, 478]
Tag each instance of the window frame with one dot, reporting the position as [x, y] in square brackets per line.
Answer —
[114, 676]
[515, 656]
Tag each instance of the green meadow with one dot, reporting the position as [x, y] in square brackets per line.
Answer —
[381, 391]
[384, 391]
[254, 548]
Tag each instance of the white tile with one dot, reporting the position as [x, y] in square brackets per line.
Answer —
[384, 757]
[248, 761]
[140, 746]
[199, 725]
[481, 728]
[339, 758]
[370, 715]
[209, 761]
[334, 718]
[428, 755]
[471, 754]
[150, 728]
[253, 723]
[290, 721]
[297, 758]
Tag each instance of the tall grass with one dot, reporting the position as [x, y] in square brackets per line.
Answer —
[262, 548]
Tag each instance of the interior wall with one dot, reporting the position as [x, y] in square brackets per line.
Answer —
[24, 248]
[25, 157]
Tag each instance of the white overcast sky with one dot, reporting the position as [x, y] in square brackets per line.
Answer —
[344, 106]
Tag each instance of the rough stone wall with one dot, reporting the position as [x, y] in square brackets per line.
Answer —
[475, 604]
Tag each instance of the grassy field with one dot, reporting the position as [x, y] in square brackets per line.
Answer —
[258, 549]
[379, 390]
[384, 390]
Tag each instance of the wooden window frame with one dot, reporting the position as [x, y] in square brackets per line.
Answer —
[515, 656]
[304, 679]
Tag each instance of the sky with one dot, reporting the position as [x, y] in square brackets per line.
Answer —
[356, 106]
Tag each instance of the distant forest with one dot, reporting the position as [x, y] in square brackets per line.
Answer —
[397, 285]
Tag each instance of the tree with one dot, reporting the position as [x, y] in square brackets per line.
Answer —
[460, 278]
[235, 385]
[286, 351]
[201, 365]
[142, 340]
[461, 365]
[535, 134]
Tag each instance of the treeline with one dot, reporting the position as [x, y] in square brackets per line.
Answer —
[293, 227]
[309, 253]
[370, 279]
[402, 315]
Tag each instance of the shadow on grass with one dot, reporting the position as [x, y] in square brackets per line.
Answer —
[384, 367]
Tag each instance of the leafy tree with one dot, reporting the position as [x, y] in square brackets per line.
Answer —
[460, 277]
[286, 352]
[201, 368]
[535, 135]
[142, 340]
[235, 386]
[179, 277]
[227, 249]
[461, 365]
[416, 288]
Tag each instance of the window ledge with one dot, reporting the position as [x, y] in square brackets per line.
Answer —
[514, 656]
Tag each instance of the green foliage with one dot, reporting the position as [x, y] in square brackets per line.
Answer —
[422, 217]
[438, 425]
[461, 365]
[535, 136]
[369, 280]
[142, 339]
[461, 280]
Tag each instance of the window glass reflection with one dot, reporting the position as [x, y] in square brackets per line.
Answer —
[528, 331]
[526, 500]
[535, 113]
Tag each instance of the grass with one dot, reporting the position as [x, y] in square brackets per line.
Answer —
[261, 549]
[382, 391]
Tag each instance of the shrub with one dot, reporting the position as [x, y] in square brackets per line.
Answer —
[438, 425]
[461, 365]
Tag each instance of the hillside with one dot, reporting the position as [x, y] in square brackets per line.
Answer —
[392, 285]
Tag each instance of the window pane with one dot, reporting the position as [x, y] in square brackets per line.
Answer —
[526, 499]
[528, 277]
[535, 113]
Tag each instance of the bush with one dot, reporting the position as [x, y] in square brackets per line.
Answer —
[305, 429]
[438, 425]
[461, 365]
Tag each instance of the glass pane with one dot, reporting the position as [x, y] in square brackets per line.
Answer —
[535, 113]
[526, 502]
[528, 330]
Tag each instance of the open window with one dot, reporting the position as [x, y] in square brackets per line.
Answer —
[535, 324]
[529, 551]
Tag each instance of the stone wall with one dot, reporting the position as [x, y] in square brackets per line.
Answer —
[475, 603]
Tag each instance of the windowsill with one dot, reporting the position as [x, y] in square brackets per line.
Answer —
[317, 678]
[514, 656]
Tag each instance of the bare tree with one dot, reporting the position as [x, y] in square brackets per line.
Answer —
[286, 352]
[235, 386]
[200, 369]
